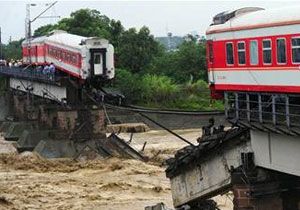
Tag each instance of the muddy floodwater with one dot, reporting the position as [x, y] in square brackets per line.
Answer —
[28, 181]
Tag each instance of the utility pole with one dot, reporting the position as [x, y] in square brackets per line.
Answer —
[28, 23]
[28, 30]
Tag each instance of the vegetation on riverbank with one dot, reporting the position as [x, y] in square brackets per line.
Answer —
[159, 91]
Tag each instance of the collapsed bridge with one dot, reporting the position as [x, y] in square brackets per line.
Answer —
[55, 117]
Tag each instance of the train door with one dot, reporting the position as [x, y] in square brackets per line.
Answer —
[98, 67]
[98, 62]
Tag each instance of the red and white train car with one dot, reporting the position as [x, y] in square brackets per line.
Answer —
[255, 50]
[78, 56]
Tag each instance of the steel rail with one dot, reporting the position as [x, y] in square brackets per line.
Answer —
[160, 111]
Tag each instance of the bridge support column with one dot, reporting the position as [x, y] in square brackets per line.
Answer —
[241, 197]
[265, 189]
[243, 200]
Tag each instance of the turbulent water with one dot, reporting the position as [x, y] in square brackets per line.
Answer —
[28, 181]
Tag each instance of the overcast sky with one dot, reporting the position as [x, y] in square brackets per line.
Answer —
[179, 17]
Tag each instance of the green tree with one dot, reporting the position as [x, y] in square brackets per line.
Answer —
[129, 84]
[191, 61]
[137, 49]
[158, 89]
[116, 30]
[13, 50]
[184, 64]
[83, 22]
[86, 22]
[44, 30]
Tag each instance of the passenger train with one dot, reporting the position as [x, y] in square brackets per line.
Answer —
[80, 57]
[254, 50]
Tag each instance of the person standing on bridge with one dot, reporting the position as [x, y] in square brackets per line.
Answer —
[52, 71]
[46, 70]
[10, 63]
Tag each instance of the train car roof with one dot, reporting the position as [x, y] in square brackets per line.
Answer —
[35, 40]
[256, 18]
[67, 39]
[59, 37]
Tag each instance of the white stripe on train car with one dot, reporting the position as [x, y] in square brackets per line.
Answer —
[289, 77]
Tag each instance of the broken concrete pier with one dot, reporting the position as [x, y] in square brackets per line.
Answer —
[60, 130]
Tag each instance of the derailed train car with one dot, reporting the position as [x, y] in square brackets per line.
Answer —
[77, 56]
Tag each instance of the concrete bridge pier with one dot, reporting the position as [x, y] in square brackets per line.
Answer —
[60, 130]
[272, 190]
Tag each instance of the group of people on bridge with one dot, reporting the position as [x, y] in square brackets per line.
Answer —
[47, 70]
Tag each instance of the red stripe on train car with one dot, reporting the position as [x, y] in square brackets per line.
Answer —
[66, 52]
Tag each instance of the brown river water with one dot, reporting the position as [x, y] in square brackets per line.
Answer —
[28, 181]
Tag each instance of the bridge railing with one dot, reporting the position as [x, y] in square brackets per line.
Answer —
[30, 73]
[266, 111]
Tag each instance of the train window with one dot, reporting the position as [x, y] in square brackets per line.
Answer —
[267, 52]
[229, 54]
[253, 52]
[281, 50]
[241, 52]
[97, 59]
[68, 58]
[73, 59]
[296, 50]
